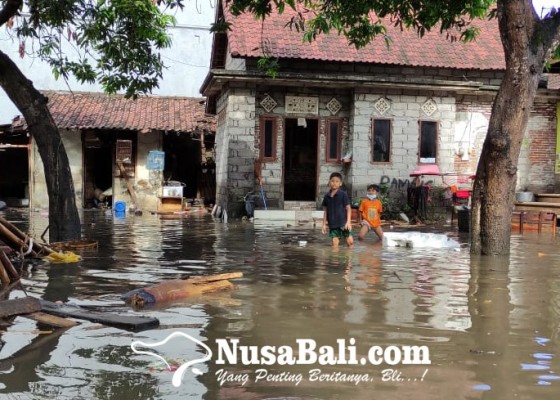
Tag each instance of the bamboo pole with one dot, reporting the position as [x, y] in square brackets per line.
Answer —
[13, 241]
[4, 278]
[8, 266]
[39, 248]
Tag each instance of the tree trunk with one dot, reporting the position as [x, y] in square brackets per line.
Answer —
[64, 221]
[496, 175]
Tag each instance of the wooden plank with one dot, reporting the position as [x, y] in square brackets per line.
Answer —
[547, 198]
[129, 185]
[51, 320]
[23, 305]
[538, 206]
[127, 322]
[215, 277]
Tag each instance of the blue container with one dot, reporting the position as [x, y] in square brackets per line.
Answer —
[120, 206]
[120, 214]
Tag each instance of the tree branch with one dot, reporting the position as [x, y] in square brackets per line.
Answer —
[550, 28]
[10, 9]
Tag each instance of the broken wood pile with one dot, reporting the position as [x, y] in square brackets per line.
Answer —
[26, 246]
[179, 288]
[19, 241]
[8, 273]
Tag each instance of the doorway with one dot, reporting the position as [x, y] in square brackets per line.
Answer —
[182, 162]
[14, 156]
[300, 159]
[98, 168]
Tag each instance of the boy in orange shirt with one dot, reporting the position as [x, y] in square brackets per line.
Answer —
[370, 213]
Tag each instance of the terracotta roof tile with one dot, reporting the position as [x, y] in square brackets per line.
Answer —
[247, 36]
[102, 111]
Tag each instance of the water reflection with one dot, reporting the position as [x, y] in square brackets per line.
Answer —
[491, 324]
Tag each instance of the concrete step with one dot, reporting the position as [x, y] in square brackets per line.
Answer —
[293, 216]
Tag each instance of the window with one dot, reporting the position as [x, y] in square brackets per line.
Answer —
[334, 141]
[268, 139]
[381, 140]
[428, 142]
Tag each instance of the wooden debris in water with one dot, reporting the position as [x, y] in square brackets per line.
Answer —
[179, 288]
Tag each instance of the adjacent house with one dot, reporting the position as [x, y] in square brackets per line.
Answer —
[119, 150]
[374, 114]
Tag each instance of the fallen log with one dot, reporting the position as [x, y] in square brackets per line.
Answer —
[127, 322]
[23, 305]
[179, 288]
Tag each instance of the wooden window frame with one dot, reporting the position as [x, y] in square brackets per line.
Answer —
[373, 161]
[262, 138]
[338, 158]
[420, 122]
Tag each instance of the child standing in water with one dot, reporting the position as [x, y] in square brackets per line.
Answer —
[337, 212]
[370, 213]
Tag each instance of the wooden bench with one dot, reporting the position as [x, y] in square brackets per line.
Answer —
[530, 220]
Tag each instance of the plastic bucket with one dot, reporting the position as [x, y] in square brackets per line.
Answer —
[120, 206]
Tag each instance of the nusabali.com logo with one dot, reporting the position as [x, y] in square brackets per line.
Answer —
[303, 352]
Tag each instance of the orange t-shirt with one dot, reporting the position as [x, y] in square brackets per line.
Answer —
[371, 211]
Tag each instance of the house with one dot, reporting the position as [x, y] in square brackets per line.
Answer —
[119, 150]
[373, 114]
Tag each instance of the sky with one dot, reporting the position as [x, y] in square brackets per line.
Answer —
[546, 4]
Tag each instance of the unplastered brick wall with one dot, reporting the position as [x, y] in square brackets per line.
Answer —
[221, 149]
[405, 112]
[240, 132]
[536, 161]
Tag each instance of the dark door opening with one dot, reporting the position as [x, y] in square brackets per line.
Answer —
[182, 162]
[300, 160]
[14, 157]
[98, 168]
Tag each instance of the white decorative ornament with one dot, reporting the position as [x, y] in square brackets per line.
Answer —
[268, 103]
[429, 107]
[302, 105]
[334, 106]
[382, 105]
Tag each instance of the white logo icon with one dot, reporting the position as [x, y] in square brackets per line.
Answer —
[178, 374]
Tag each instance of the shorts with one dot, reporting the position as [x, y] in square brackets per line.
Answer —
[340, 233]
[369, 226]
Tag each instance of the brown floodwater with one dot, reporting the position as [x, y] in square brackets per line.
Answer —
[490, 325]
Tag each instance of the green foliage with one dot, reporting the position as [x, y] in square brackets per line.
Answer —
[117, 42]
[268, 65]
[361, 20]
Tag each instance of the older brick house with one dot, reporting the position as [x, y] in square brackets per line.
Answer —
[373, 114]
[101, 131]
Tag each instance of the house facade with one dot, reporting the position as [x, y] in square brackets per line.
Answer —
[120, 150]
[374, 114]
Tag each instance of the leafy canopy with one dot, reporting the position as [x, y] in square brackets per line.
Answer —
[115, 42]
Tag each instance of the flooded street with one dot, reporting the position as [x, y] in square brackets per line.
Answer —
[491, 324]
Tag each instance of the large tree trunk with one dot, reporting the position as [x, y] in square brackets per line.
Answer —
[64, 221]
[496, 176]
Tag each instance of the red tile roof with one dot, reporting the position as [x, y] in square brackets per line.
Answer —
[102, 111]
[247, 36]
